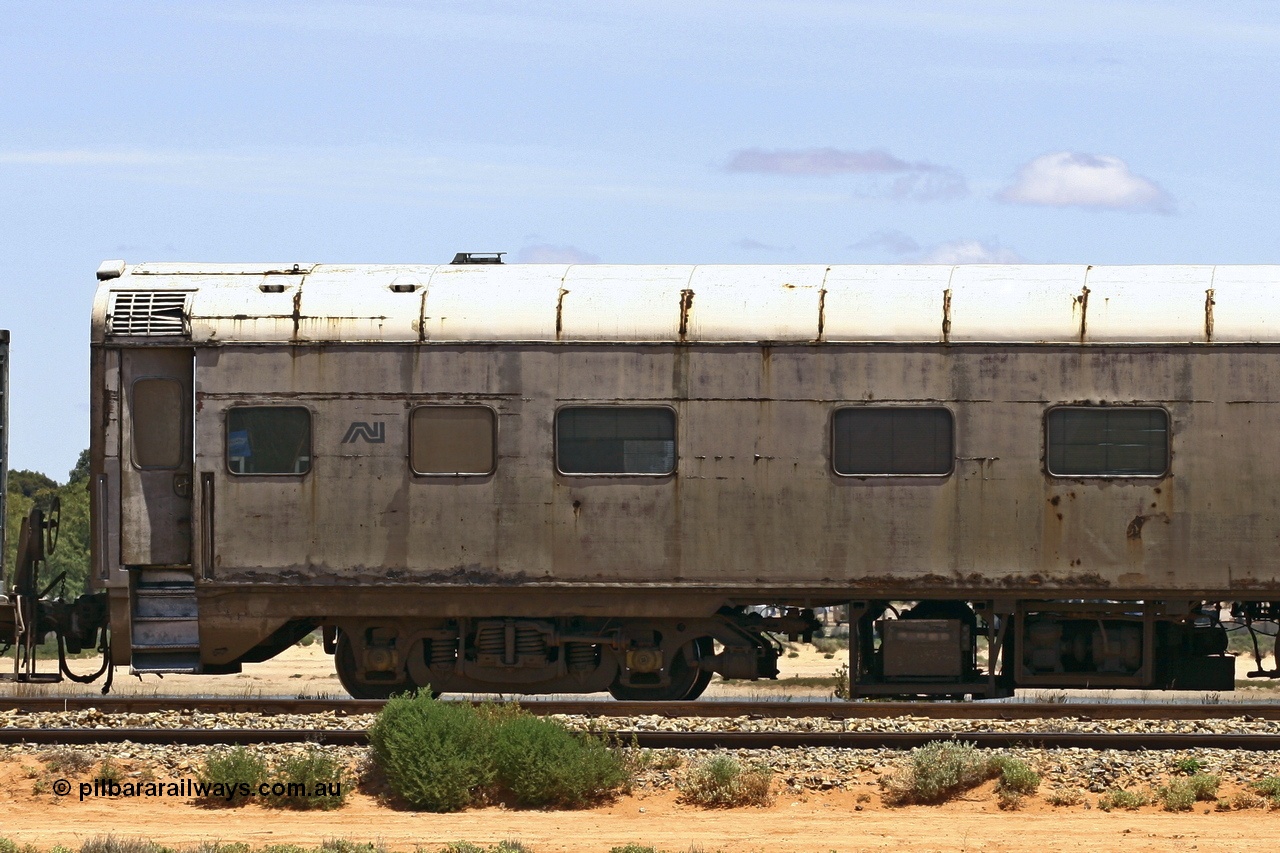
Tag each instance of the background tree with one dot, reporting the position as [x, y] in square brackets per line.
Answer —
[31, 488]
[80, 473]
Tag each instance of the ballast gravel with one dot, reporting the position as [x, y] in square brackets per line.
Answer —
[91, 718]
[796, 770]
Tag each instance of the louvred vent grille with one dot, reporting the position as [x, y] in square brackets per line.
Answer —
[148, 313]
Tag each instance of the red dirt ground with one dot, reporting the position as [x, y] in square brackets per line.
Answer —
[814, 823]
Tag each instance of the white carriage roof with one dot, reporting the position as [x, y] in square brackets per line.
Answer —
[1050, 304]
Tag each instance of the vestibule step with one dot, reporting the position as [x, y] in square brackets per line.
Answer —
[185, 661]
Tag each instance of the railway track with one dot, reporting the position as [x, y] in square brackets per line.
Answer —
[103, 731]
[675, 740]
[714, 708]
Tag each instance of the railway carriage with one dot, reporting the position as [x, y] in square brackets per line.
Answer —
[485, 477]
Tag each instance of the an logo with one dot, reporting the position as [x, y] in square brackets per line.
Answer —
[375, 433]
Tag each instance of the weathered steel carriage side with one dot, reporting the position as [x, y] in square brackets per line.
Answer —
[256, 472]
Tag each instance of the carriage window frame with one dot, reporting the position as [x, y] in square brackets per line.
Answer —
[184, 403]
[1168, 442]
[940, 475]
[493, 441]
[226, 442]
[675, 441]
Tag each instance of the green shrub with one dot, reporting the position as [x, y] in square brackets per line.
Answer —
[116, 844]
[1016, 776]
[494, 715]
[633, 848]
[543, 764]
[343, 845]
[441, 756]
[844, 687]
[1120, 798]
[1243, 800]
[1009, 800]
[656, 759]
[109, 771]
[1189, 766]
[7, 845]
[436, 755]
[1269, 787]
[722, 782]
[937, 772]
[1205, 786]
[232, 775]
[1177, 796]
[1064, 797]
[308, 780]
[1180, 795]
[219, 847]
[67, 760]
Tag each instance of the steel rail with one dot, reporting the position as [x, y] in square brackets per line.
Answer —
[708, 708]
[675, 740]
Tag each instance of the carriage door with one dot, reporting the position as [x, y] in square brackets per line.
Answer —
[155, 480]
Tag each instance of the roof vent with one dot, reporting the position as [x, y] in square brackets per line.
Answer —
[478, 258]
[148, 313]
[110, 269]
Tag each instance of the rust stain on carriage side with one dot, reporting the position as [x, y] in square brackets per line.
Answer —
[1083, 301]
[1208, 315]
[686, 305]
[376, 576]
[822, 312]
[297, 311]
[1134, 530]
[560, 311]
[946, 315]
[973, 580]
[422, 316]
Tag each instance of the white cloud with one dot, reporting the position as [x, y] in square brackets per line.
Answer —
[892, 177]
[545, 253]
[888, 240]
[815, 161]
[929, 184]
[1070, 179]
[755, 245]
[970, 251]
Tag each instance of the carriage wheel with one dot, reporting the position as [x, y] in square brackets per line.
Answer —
[344, 660]
[687, 680]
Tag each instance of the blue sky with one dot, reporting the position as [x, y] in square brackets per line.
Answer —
[629, 132]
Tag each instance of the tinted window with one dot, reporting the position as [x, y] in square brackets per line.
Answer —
[452, 440]
[616, 441]
[869, 440]
[269, 440]
[1107, 442]
[159, 423]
